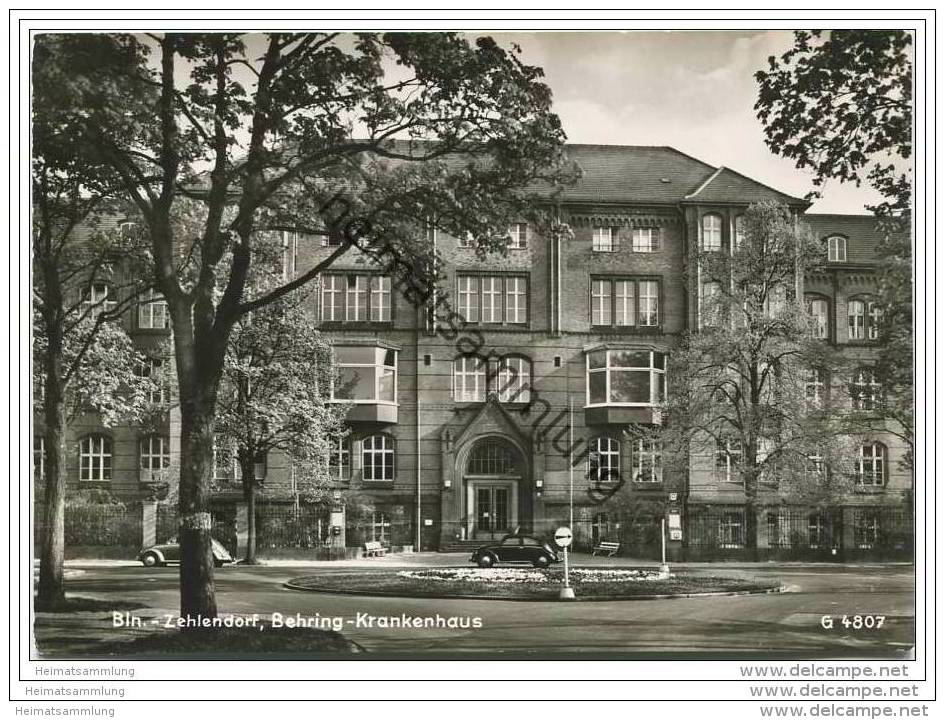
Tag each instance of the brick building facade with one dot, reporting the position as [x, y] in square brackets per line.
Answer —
[448, 449]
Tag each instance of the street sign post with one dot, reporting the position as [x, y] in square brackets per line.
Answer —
[563, 539]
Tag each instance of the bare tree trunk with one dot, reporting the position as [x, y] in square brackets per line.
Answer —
[197, 595]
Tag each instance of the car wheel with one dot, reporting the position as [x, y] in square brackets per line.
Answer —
[541, 561]
[486, 561]
[150, 560]
[217, 563]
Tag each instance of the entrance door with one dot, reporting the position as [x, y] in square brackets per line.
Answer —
[493, 509]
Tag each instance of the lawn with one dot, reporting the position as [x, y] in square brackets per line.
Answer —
[530, 584]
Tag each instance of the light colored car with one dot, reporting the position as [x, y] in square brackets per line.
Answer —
[169, 552]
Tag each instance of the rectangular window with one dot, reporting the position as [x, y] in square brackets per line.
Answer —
[731, 529]
[152, 312]
[493, 298]
[648, 460]
[603, 239]
[513, 380]
[728, 458]
[710, 309]
[290, 245]
[624, 302]
[837, 249]
[518, 236]
[380, 528]
[39, 458]
[645, 240]
[814, 386]
[356, 298]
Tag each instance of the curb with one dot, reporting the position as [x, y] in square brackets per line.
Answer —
[290, 585]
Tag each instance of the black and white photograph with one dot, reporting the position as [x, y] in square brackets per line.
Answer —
[585, 351]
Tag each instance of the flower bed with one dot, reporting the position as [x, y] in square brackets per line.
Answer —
[531, 584]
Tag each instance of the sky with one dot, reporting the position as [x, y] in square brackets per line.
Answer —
[694, 91]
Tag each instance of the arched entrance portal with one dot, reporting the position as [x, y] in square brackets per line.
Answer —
[493, 474]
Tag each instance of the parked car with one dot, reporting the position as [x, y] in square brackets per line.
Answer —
[516, 549]
[169, 552]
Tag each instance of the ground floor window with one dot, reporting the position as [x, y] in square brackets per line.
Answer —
[380, 528]
[731, 530]
[779, 530]
[601, 528]
[866, 530]
[820, 531]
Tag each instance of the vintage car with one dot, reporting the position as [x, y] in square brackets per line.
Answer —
[518, 549]
[169, 552]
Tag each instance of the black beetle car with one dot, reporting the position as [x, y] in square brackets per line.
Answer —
[515, 549]
[169, 552]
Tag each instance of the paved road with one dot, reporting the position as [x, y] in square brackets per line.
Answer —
[788, 623]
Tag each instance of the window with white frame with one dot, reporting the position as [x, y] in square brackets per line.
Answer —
[625, 302]
[603, 239]
[625, 377]
[518, 236]
[366, 374]
[731, 530]
[513, 379]
[603, 460]
[152, 312]
[356, 298]
[728, 460]
[493, 298]
[818, 310]
[870, 468]
[39, 458]
[874, 320]
[97, 299]
[738, 233]
[815, 386]
[819, 531]
[711, 232]
[866, 390]
[339, 459]
[155, 454]
[837, 248]
[856, 319]
[645, 240]
[469, 379]
[648, 460]
[95, 458]
[377, 453]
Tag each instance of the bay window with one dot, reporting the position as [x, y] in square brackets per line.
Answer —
[366, 374]
[625, 377]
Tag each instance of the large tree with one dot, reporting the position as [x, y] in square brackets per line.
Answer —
[275, 397]
[82, 360]
[841, 105]
[367, 138]
[741, 387]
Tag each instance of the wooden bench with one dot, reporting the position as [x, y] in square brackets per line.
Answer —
[374, 549]
[610, 548]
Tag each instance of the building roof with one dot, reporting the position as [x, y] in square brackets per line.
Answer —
[659, 174]
[862, 232]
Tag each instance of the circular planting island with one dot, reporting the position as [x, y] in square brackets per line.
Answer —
[532, 584]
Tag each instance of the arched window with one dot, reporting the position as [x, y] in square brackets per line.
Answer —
[818, 309]
[648, 460]
[97, 299]
[711, 232]
[603, 460]
[95, 458]
[377, 453]
[837, 248]
[493, 457]
[469, 379]
[856, 319]
[512, 380]
[738, 233]
[155, 451]
[870, 469]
